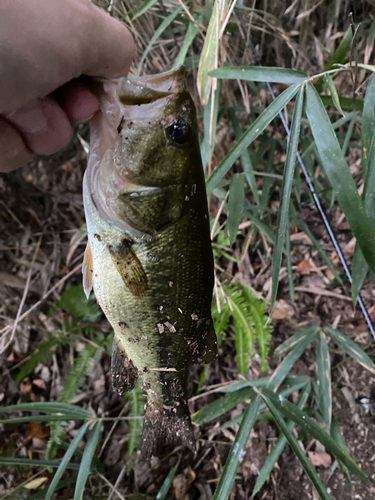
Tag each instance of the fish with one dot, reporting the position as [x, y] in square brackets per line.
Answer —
[149, 257]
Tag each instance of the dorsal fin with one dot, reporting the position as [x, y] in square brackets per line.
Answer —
[87, 270]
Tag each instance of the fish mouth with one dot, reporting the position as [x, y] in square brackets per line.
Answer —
[146, 89]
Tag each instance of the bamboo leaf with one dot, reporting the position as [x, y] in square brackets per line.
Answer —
[165, 487]
[255, 129]
[337, 436]
[328, 80]
[323, 368]
[299, 347]
[368, 123]
[290, 410]
[339, 175]
[351, 348]
[293, 443]
[64, 462]
[291, 342]
[221, 406]
[286, 189]
[35, 463]
[87, 457]
[236, 201]
[278, 447]
[359, 272]
[237, 450]
[51, 408]
[259, 74]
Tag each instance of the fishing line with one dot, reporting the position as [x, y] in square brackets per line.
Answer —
[313, 193]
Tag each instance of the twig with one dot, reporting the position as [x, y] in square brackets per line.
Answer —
[24, 295]
[5, 330]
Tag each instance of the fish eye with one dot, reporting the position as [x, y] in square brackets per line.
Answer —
[178, 132]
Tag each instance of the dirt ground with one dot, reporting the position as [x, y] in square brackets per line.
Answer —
[40, 211]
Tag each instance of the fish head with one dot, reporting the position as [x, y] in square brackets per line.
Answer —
[150, 149]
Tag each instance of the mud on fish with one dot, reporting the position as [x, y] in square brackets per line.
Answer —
[149, 257]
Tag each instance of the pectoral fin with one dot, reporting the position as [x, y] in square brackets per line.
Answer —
[130, 268]
[87, 270]
[124, 373]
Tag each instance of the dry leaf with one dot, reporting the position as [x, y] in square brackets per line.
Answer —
[36, 483]
[282, 310]
[182, 483]
[304, 267]
[40, 383]
[318, 459]
[35, 430]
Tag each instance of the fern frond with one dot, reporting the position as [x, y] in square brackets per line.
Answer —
[244, 329]
[57, 434]
[82, 367]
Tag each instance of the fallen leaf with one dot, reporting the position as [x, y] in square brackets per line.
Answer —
[35, 430]
[304, 267]
[36, 483]
[318, 459]
[40, 383]
[282, 310]
[182, 483]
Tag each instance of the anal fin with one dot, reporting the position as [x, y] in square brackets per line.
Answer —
[87, 270]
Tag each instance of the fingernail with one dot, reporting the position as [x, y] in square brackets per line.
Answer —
[30, 119]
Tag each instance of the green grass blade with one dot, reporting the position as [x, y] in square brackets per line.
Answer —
[368, 123]
[339, 175]
[61, 484]
[87, 457]
[51, 408]
[286, 189]
[35, 463]
[64, 462]
[221, 406]
[323, 368]
[284, 368]
[245, 157]
[165, 487]
[234, 459]
[278, 447]
[308, 425]
[259, 74]
[188, 40]
[144, 8]
[370, 183]
[163, 26]
[293, 443]
[351, 348]
[255, 129]
[236, 201]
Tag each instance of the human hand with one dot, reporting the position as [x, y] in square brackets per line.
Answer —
[45, 46]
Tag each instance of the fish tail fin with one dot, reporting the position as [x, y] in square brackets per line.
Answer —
[165, 429]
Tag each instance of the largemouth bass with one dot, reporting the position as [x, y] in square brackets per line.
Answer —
[149, 257]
